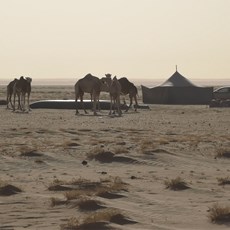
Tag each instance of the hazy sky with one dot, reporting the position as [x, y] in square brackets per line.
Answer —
[47, 39]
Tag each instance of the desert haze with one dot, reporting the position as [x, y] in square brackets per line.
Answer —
[161, 168]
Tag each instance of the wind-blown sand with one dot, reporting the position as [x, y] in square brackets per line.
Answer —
[147, 148]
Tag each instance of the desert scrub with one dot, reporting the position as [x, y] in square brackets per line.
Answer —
[110, 185]
[98, 220]
[146, 146]
[219, 214]
[223, 180]
[61, 185]
[120, 149]
[176, 184]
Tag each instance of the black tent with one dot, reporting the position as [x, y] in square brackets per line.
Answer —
[177, 90]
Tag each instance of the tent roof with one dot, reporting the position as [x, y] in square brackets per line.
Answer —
[177, 80]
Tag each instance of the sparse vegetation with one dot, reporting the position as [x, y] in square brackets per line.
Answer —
[176, 184]
[219, 214]
[27, 151]
[120, 149]
[60, 185]
[223, 181]
[147, 145]
[98, 220]
[78, 188]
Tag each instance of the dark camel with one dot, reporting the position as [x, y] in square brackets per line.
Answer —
[129, 88]
[114, 92]
[10, 88]
[20, 89]
[88, 84]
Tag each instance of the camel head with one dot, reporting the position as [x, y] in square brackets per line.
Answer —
[28, 79]
[108, 75]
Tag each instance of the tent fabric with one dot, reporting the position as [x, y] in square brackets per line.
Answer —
[177, 90]
[177, 80]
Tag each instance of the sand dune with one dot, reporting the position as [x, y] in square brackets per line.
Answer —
[114, 169]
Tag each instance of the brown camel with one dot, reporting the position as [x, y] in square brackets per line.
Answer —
[26, 90]
[104, 88]
[128, 87]
[114, 92]
[9, 93]
[89, 84]
[20, 89]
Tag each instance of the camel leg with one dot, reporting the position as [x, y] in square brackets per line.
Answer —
[23, 105]
[114, 105]
[118, 106]
[14, 101]
[130, 103]
[10, 100]
[111, 104]
[98, 103]
[135, 98]
[94, 105]
[28, 102]
[82, 103]
[7, 101]
[19, 101]
[76, 98]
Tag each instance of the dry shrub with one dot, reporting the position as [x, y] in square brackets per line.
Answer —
[147, 145]
[176, 184]
[223, 153]
[95, 151]
[97, 188]
[60, 185]
[116, 184]
[223, 181]
[119, 149]
[27, 151]
[98, 220]
[219, 214]
[77, 194]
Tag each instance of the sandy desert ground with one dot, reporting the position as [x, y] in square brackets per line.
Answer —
[59, 170]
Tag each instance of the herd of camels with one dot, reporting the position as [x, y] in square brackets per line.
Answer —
[89, 84]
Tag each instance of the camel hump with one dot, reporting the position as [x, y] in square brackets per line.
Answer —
[90, 77]
[124, 81]
[127, 86]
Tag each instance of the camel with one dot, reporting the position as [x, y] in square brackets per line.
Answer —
[104, 88]
[114, 92]
[20, 89]
[10, 87]
[128, 87]
[27, 90]
[88, 84]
